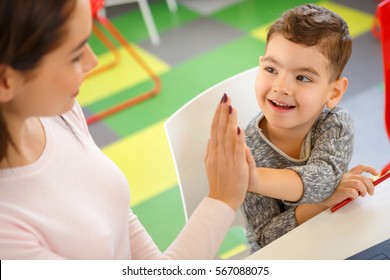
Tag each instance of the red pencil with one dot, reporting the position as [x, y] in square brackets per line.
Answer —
[348, 200]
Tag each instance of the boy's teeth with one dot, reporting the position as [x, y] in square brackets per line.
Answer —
[283, 105]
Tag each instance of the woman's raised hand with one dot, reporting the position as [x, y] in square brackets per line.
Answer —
[226, 157]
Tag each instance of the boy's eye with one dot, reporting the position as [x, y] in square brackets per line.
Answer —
[269, 70]
[303, 78]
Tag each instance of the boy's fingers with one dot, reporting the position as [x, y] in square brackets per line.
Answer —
[362, 184]
[249, 158]
[359, 169]
[352, 193]
[368, 184]
[208, 148]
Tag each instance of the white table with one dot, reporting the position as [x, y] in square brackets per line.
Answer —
[355, 227]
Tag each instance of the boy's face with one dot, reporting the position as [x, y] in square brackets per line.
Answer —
[293, 84]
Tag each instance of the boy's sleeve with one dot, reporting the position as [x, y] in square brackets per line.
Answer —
[329, 158]
[277, 227]
[266, 220]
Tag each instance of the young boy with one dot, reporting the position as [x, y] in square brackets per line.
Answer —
[301, 142]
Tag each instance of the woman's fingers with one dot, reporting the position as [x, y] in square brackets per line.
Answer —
[215, 121]
[226, 159]
[224, 115]
[230, 136]
[223, 120]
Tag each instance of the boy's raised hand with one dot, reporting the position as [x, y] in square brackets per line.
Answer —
[226, 157]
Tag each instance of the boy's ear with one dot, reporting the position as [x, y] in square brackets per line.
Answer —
[7, 84]
[339, 88]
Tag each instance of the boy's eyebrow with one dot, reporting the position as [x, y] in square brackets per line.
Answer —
[308, 70]
[299, 69]
[79, 46]
[270, 59]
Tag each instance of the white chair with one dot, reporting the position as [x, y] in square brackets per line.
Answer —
[188, 131]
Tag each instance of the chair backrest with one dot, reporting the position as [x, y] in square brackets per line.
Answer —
[188, 131]
[383, 12]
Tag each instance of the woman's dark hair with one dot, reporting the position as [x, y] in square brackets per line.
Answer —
[29, 30]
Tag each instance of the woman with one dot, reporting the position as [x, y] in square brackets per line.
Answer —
[60, 196]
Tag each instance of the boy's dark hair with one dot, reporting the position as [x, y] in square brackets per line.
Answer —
[312, 25]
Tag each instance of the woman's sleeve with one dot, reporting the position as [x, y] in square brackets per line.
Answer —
[200, 238]
[17, 243]
[329, 158]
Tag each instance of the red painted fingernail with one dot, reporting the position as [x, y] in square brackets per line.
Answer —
[238, 130]
[230, 109]
[224, 98]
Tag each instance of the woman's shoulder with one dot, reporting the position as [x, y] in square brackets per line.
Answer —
[75, 118]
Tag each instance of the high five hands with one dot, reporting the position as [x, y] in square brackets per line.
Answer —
[228, 159]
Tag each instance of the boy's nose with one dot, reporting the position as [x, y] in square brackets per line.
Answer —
[282, 85]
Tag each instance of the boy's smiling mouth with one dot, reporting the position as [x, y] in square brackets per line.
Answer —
[280, 105]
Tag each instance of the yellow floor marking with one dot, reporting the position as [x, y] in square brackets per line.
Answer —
[124, 75]
[358, 22]
[234, 251]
